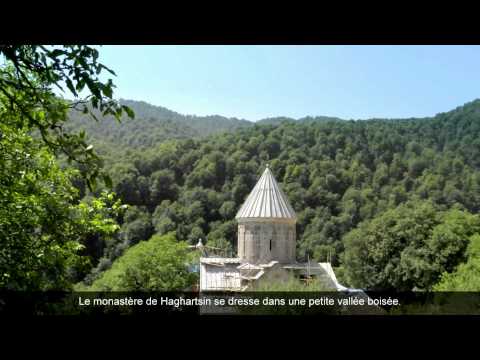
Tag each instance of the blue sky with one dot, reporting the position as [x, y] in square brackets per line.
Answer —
[255, 82]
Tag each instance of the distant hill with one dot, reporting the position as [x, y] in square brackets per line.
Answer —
[202, 125]
[307, 119]
[275, 120]
[152, 124]
[155, 124]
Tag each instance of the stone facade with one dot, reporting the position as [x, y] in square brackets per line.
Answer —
[262, 241]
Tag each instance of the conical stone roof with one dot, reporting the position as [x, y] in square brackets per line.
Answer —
[266, 200]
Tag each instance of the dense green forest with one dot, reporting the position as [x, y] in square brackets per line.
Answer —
[392, 202]
[337, 174]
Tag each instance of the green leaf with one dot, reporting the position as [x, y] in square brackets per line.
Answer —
[80, 84]
[95, 54]
[56, 53]
[89, 184]
[107, 90]
[107, 180]
[71, 87]
[129, 111]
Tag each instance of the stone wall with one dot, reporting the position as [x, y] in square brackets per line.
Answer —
[262, 242]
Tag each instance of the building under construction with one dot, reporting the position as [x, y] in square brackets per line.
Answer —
[265, 247]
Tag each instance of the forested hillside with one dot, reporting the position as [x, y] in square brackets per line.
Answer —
[337, 175]
[152, 125]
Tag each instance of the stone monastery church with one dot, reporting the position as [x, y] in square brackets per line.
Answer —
[265, 247]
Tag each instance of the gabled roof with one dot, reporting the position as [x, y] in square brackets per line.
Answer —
[266, 200]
